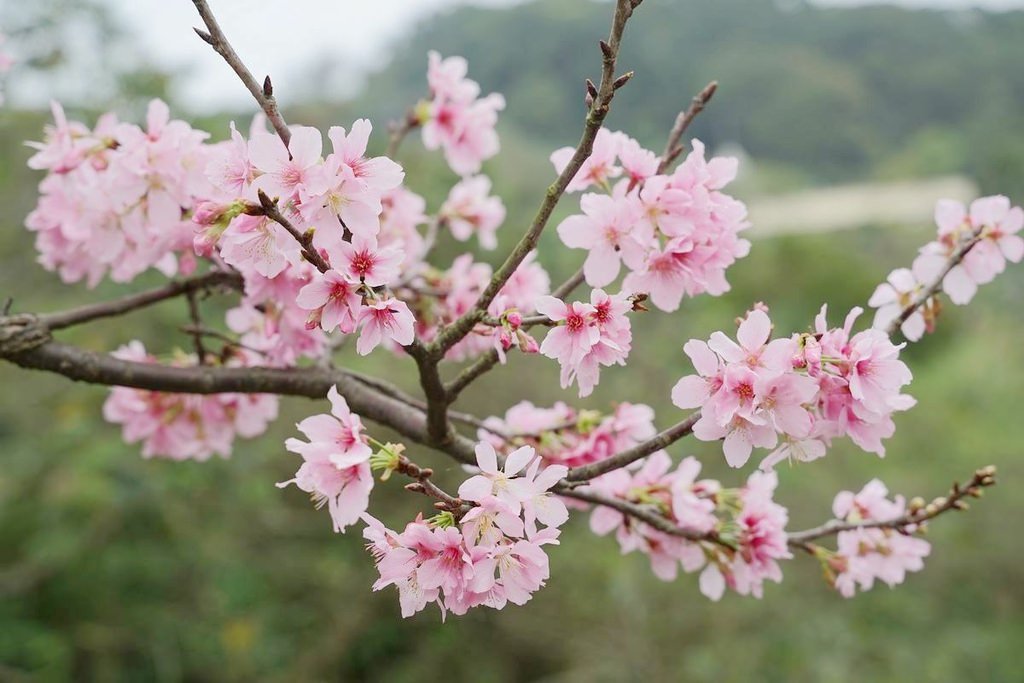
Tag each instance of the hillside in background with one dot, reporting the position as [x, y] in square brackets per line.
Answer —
[833, 94]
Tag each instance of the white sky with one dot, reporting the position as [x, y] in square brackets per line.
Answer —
[281, 37]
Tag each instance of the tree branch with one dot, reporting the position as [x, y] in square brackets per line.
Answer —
[673, 148]
[109, 309]
[485, 363]
[264, 95]
[918, 514]
[452, 334]
[627, 457]
[270, 209]
[644, 513]
[935, 287]
[85, 366]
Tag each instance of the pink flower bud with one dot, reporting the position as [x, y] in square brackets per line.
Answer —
[527, 344]
[209, 213]
[514, 318]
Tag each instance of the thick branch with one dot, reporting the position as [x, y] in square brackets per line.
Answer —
[86, 366]
[264, 95]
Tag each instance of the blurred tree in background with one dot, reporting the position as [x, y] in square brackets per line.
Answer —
[115, 568]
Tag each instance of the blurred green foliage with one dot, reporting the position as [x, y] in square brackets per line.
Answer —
[116, 568]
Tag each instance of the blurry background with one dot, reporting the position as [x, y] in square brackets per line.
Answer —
[116, 568]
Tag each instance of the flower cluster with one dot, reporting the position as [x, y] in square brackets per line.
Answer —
[806, 389]
[587, 336]
[439, 298]
[186, 426]
[470, 209]
[744, 529]
[676, 234]
[456, 119]
[986, 235]
[873, 553]
[564, 436]
[490, 557]
[116, 198]
[335, 462]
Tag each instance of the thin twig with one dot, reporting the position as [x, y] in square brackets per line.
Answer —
[117, 307]
[982, 478]
[264, 95]
[673, 148]
[936, 286]
[645, 513]
[309, 252]
[452, 334]
[197, 325]
[641, 450]
[399, 131]
[489, 360]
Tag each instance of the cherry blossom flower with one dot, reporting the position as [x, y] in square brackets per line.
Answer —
[470, 210]
[284, 171]
[186, 426]
[611, 232]
[336, 462]
[333, 300]
[384, 318]
[865, 555]
[361, 260]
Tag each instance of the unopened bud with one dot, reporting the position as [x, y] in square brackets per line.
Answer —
[606, 49]
[622, 80]
[514, 319]
[527, 344]
[916, 503]
[268, 87]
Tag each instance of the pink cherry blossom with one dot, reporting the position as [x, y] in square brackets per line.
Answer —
[470, 210]
[384, 318]
[611, 232]
[333, 300]
[336, 462]
[598, 169]
[361, 260]
[286, 171]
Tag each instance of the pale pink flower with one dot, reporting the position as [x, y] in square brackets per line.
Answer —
[610, 230]
[496, 482]
[287, 170]
[361, 260]
[570, 341]
[335, 468]
[471, 210]
[333, 300]
[598, 169]
[379, 174]
[384, 318]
